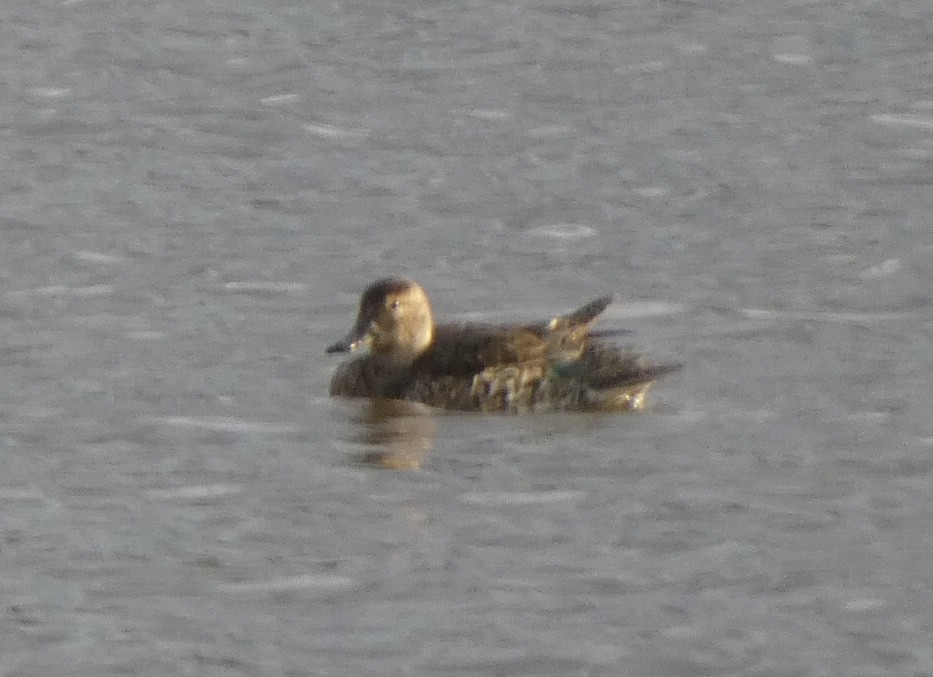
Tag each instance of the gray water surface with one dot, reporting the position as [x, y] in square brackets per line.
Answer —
[192, 196]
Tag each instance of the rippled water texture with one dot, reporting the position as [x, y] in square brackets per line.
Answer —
[192, 196]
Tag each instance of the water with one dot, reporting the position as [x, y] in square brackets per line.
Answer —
[194, 194]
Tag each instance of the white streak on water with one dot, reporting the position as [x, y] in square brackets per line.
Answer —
[916, 121]
[864, 604]
[288, 583]
[331, 132]
[792, 59]
[521, 498]
[489, 115]
[51, 92]
[651, 191]
[817, 316]
[61, 290]
[636, 309]
[195, 492]
[563, 231]
[221, 424]
[883, 269]
[96, 257]
[20, 495]
[263, 286]
[279, 99]
[145, 335]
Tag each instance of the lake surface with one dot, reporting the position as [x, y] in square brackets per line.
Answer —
[192, 197]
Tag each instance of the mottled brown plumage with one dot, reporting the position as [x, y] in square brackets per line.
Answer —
[553, 365]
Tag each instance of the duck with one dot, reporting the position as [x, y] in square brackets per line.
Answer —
[559, 364]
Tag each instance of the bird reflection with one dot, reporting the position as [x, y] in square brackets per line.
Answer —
[401, 434]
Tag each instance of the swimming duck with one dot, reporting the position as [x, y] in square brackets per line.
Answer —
[553, 365]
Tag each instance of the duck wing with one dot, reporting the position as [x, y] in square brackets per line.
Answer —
[604, 366]
[460, 349]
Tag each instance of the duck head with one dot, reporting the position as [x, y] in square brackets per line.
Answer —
[394, 322]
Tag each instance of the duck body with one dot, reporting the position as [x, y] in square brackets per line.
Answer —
[553, 365]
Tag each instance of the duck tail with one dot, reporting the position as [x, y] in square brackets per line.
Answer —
[628, 391]
[583, 316]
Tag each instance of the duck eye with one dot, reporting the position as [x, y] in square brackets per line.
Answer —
[395, 305]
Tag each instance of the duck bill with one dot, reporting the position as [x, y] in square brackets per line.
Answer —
[356, 340]
[342, 346]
